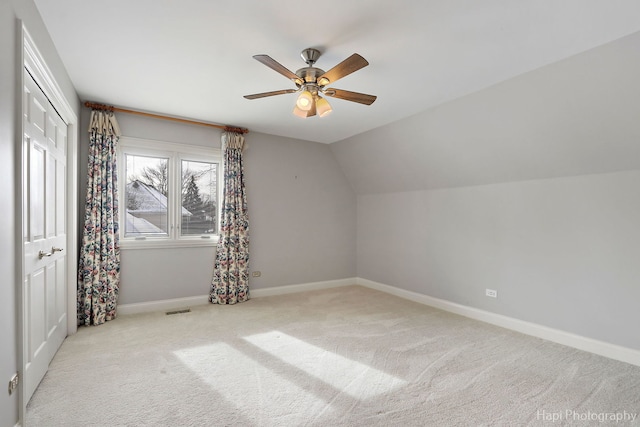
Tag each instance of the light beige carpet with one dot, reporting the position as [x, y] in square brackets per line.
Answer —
[339, 357]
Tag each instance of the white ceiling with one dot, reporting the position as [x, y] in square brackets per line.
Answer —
[193, 58]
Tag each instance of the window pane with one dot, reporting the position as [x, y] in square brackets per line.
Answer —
[199, 198]
[146, 195]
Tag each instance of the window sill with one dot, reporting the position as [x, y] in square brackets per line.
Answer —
[167, 244]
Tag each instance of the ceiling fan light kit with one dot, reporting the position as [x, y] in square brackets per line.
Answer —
[311, 82]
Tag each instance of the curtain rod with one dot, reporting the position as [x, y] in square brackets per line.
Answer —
[103, 107]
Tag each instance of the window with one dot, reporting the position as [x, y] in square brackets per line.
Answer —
[169, 194]
[199, 196]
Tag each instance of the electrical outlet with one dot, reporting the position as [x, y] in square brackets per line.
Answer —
[256, 274]
[492, 293]
[13, 383]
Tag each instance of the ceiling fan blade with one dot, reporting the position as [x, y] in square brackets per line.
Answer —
[265, 94]
[361, 98]
[276, 66]
[346, 67]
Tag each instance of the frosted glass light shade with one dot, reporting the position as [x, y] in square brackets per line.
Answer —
[300, 113]
[304, 101]
[323, 107]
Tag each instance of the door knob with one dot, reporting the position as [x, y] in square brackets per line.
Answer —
[43, 254]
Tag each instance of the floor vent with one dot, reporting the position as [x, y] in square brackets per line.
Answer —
[185, 310]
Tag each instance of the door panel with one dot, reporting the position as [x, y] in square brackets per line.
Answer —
[61, 200]
[50, 196]
[61, 303]
[37, 192]
[37, 307]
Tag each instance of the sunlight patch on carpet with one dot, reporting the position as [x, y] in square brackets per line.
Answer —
[349, 376]
[243, 381]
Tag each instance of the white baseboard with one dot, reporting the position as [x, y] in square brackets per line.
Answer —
[179, 303]
[162, 305]
[313, 286]
[601, 348]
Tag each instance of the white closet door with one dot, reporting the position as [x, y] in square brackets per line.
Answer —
[44, 234]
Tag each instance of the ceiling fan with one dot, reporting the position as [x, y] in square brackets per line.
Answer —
[311, 82]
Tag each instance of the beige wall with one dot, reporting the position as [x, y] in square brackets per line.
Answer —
[561, 252]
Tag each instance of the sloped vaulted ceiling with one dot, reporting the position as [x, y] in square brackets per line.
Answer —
[578, 116]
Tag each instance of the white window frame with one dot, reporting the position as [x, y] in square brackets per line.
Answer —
[176, 153]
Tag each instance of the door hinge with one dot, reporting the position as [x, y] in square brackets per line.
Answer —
[13, 383]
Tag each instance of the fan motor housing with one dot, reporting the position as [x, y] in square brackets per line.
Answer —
[309, 74]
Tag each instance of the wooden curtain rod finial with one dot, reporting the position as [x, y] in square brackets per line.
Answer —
[235, 129]
[97, 106]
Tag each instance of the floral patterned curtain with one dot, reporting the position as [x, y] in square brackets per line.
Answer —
[230, 282]
[99, 266]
